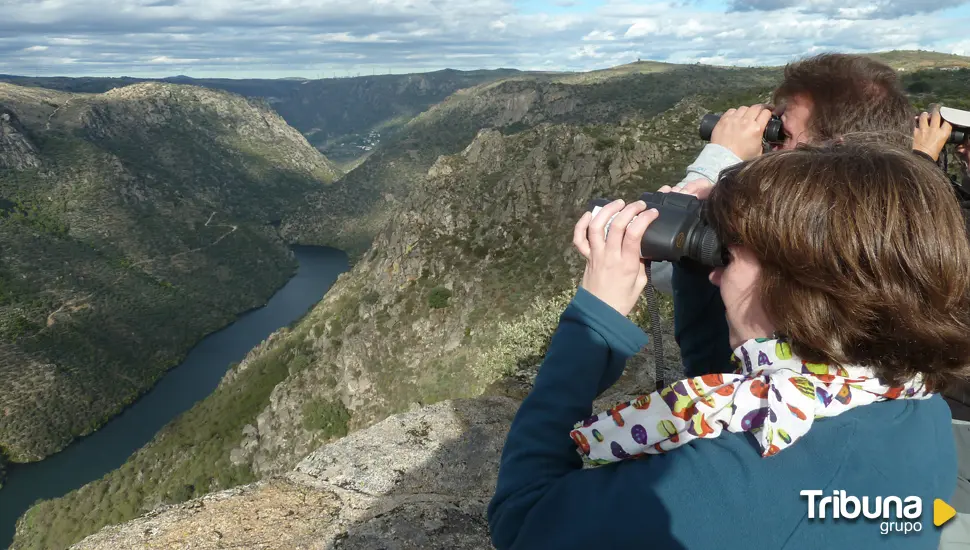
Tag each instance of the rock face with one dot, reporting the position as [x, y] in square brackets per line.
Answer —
[417, 480]
[16, 151]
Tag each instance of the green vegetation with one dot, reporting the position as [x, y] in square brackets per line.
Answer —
[188, 458]
[950, 88]
[331, 418]
[132, 241]
[438, 297]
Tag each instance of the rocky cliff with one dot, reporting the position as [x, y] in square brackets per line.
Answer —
[133, 222]
[416, 480]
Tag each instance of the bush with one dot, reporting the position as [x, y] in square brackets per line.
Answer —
[604, 143]
[330, 417]
[371, 297]
[438, 298]
[919, 87]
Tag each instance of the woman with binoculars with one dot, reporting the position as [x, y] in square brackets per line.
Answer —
[848, 306]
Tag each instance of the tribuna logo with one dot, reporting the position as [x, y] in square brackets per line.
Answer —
[906, 511]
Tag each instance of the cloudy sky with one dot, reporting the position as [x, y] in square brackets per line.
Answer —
[306, 38]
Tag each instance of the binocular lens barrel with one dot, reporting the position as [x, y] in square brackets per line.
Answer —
[958, 135]
[773, 131]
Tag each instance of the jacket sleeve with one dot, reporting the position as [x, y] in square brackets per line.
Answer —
[712, 160]
[587, 355]
[700, 325]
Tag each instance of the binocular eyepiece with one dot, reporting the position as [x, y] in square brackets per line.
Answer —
[958, 135]
[681, 234]
[774, 131]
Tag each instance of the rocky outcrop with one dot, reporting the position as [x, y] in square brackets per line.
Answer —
[483, 227]
[418, 480]
[16, 150]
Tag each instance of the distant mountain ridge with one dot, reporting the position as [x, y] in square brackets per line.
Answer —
[335, 114]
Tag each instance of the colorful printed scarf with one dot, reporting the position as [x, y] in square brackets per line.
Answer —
[772, 394]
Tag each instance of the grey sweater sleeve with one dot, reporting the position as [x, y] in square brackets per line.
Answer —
[707, 165]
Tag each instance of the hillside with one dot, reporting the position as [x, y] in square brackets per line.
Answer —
[908, 61]
[456, 297]
[344, 117]
[462, 226]
[133, 223]
[362, 201]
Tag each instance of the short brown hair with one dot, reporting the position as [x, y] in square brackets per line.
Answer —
[865, 257]
[850, 94]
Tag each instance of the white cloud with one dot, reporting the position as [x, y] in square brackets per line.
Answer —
[309, 37]
[599, 35]
[165, 60]
[643, 27]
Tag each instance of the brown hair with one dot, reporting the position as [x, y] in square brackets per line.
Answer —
[849, 94]
[865, 257]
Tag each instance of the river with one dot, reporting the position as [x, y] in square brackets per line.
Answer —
[93, 456]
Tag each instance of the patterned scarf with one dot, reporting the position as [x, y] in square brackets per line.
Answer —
[772, 394]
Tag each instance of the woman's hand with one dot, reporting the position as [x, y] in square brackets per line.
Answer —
[931, 133]
[615, 273]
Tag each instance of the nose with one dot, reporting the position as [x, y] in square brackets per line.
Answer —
[715, 276]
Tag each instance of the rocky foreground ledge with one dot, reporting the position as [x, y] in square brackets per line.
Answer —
[420, 479]
[416, 480]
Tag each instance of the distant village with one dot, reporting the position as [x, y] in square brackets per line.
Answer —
[369, 141]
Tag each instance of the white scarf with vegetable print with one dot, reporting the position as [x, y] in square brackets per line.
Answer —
[772, 394]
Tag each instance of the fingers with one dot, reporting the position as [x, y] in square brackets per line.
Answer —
[666, 189]
[763, 117]
[580, 239]
[924, 120]
[634, 233]
[598, 225]
[619, 228]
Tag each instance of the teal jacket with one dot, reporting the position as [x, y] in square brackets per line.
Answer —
[713, 493]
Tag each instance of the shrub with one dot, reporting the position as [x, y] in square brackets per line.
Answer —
[438, 298]
[331, 417]
[371, 297]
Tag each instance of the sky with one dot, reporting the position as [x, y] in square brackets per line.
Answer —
[325, 38]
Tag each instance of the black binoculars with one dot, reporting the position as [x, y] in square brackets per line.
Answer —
[681, 234]
[774, 131]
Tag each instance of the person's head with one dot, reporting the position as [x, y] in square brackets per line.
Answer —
[829, 96]
[856, 252]
[963, 155]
